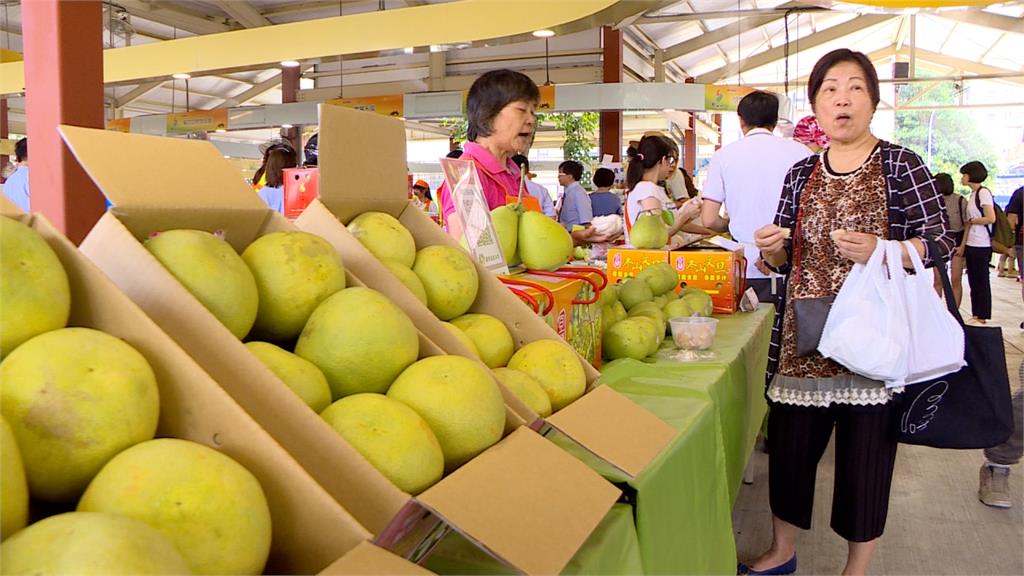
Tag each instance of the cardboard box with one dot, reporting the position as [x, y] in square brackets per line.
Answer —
[628, 442]
[369, 560]
[523, 499]
[301, 187]
[628, 262]
[721, 273]
[310, 529]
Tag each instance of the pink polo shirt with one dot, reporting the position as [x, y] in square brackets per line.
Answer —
[497, 180]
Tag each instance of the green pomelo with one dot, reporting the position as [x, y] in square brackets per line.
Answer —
[34, 292]
[526, 388]
[90, 543]
[660, 276]
[459, 400]
[450, 279]
[677, 309]
[406, 276]
[657, 331]
[213, 272]
[75, 397]
[627, 339]
[391, 436]
[492, 339]
[699, 301]
[13, 485]
[610, 295]
[648, 232]
[671, 277]
[543, 243]
[651, 310]
[299, 374]
[634, 291]
[671, 295]
[556, 366]
[461, 337]
[385, 237]
[360, 340]
[506, 224]
[209, 506]
[660, 300]
[294, 272]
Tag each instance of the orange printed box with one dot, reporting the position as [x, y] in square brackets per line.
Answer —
[720, 273]
[628, 262]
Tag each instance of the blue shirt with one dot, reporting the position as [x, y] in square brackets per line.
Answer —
[575, 207]
[605, 203]
[274, 197]
[16, 188]
[547, 205]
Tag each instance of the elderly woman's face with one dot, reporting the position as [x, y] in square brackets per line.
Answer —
[513, 126]
[843, 105]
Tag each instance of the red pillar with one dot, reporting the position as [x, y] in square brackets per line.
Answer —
[3, 135]
[63, 85]
[290, 93]
[717, 118]
[611, 120]
[690, 142]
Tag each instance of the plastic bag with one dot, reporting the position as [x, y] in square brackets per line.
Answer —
[936, 337]
[866, 330]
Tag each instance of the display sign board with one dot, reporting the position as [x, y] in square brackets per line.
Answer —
[724, 98]
[471, 223]
[391, 105]
[198, 121]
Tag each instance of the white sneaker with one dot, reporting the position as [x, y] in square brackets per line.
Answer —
[994, 486]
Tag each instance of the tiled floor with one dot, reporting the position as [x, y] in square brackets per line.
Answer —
[936, 524]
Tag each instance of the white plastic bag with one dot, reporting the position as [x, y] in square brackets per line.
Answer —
[866, 330]
[936, 337]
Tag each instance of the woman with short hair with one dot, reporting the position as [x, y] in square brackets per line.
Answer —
[976, 246]
[835, 207]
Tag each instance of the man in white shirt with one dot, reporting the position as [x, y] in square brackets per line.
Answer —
[16, 186]
[747, 177]
[547, 205]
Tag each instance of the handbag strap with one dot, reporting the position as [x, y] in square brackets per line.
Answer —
[947, 286]
[798, 242]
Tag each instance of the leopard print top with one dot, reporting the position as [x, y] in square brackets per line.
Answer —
[854, 201]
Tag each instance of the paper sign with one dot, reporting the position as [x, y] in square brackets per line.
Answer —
[120, 124]
[547, 99]
[391, 105]
[197, 121]
[724, 97]
[471, 223]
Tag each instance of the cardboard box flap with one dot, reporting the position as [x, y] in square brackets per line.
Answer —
[238, 228]
[373, 561]
[639, 435]
[364, 173]
[177, 172]
[310, 529]
[526, 501]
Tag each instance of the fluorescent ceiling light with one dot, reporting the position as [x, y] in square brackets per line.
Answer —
[290, 63]
[307, 83]
[543, 33]
[181, 76]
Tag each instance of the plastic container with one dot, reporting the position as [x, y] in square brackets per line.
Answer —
[693, 333]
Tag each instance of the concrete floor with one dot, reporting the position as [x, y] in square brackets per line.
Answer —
[936, 524]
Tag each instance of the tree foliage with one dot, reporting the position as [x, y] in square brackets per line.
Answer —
[580, 129]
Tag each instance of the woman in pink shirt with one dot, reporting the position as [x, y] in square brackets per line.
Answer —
[500, 111]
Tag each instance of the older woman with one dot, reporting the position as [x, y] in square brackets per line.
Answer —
[835, 207]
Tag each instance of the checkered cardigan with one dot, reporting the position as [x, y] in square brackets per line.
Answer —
[916, 209]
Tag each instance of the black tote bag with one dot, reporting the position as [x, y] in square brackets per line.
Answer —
[968, 409]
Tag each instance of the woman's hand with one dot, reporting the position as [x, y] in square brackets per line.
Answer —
[959, 252]
[689, 210]
[771, 239]
[856, 246]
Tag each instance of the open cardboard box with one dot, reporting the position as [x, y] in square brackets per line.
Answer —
[522, 500]
[362, 170]
[310, 529]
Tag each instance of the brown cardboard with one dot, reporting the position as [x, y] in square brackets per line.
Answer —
[342, 198]
[371, 560]
[345, 474]
[310, 529]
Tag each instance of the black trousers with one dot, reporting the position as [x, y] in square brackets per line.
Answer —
[865, 452]
[772, 293]
[978, 279]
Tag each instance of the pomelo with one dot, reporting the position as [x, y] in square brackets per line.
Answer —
[213, 272]
[459, 400]
[677, 309]
[299, 374]
[490, 336]
[13, 485]
[450, 279]
[526, 388]
[648, 232]
[461, 337]
[555, 366]
[407, 277]
[396, 440]
[627, 339]
[209, 506]
[506, 225]
[385, 237]
[699, 301]
[294, 273]
[34, 293]
[75, 398]
[610, 295]
[360, 340]
[90, 543]
[544, 244]
[634, 291]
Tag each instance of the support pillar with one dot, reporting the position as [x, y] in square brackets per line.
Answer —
[290, 93]
[690, 141]
[611, 120]
[717, 119]
[3, 136]
[63, 85]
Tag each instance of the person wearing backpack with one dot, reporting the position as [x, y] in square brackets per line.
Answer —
[1002, 244]
[976, 247]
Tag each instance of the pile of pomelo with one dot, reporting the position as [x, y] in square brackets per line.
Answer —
[635, 313]
[80, 411]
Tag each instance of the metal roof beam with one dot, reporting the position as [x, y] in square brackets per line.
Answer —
[962, 64]
[775, 13]
[726, 32]
[243, 13]
[257, 89]
[168, 14]
[136, 93]
[768, 56]
[987, 19]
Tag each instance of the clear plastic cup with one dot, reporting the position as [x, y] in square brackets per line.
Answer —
[693, 333]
